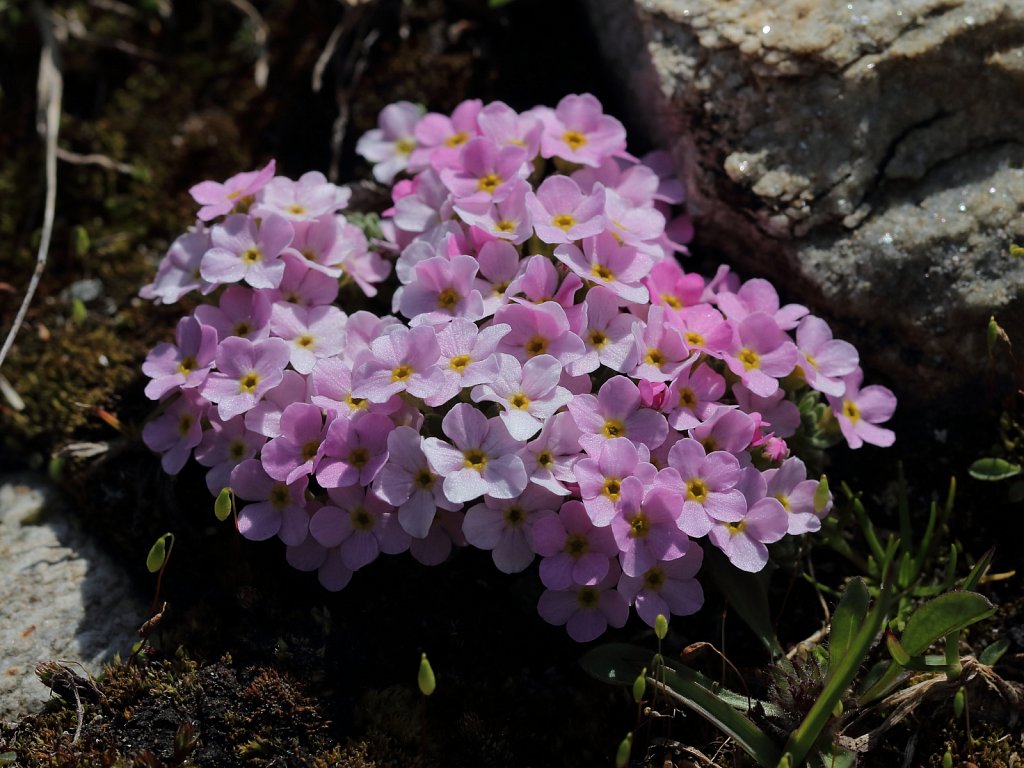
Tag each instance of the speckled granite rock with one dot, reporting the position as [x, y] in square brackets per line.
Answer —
[867, 156]
[61, 597]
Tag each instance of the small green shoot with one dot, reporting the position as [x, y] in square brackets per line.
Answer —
[425, 679]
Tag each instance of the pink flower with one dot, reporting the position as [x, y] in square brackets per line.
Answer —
[505, 127]
[860, 411]
[264, 418]
[507, 219]
[704, 329]
[302, 285]
[441, 289]
[246, 371]
[669, 588]
[743, 541]
[538, 330]
[280, 508]
[824, 361]
[178, 273]
[487, 174]
[759, 296]
[540, 282]
[604, 262]
[789, 484]
[184, 365]
[441, 138]
[528, 393]
[579, 131]
[503, 526]
[389, 145]
[298, 450]
[600, 479]
[312, 334]
[484, 459]
[225, 445]
[354, 450]
[760, 354]
[467, 357]
[361, 526]
[662, 352]
[644, 525]
[671, 286]
[630, 224]
[241, 251]
[693, 396]
[561, 213]
[573, 549]
[727, 429]
[780, 414]
[177, 431]
[709, 487]
[240, 312]
[218, 199]
[404, 360]
[309, 198]
[586, 610]
[445, 531]
[608, 333]
[616, 412]
[406, 481]
[550, 457]
[499, 266]
[319, 244]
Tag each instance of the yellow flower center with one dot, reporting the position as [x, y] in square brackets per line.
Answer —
[237, 450]
[654, 579]
[459, 363]
[694, 339]
[612, 488]
[784, 500]
[251, 255]
[279, 496]
[404, 146]
[544, 459]
[361, 519]
[851, 411]
[601, 272]
[736, 528]
[358, 457]
[305, 341]
[672, 301]
[457, 140]
[588, 597]
[519, 401]
[185, 366]
[576, 546]
[185, 422]
[355, 403]
[447, 299]
[505, 226]
[574, 139]
[514, 517]
[597, 339]
[424, 480]
[475, 459]
[812, 361]
[309, 449]
[639, 526]
[489, 183]
[613, 428]
[749, 358]
[537, 345]
[249, 382]
[402, 373]
[654, 357]
[297, 208]
[687, 398]
[696, 490]
[242, 329]
[564, 221]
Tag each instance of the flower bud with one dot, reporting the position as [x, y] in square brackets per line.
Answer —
[959, 701]
[640, 686]
[222, 506]
[426, 679]
[625, 747]
[821, 495]
[660, 626]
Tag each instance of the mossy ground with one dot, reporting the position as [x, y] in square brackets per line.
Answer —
[270, 668]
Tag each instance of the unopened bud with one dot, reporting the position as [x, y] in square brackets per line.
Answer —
[822, 497]
[625, 748]
[640, 686]
[660, 626]
[959, 702]
[222, 506]
[426, 679]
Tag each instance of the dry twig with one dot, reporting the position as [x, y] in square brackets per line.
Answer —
[49, 90]
[95, 159]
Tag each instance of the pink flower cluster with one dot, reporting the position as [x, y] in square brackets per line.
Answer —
[553, 383]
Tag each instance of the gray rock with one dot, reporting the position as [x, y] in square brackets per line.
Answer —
[61, 596]
[866, 156]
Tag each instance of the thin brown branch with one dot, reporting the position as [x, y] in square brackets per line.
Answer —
[49, 90]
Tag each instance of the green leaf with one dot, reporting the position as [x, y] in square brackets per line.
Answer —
[835, 757]
[974, 577]
[992, 469]
[847, 619]
[940, 616]
[747, 595]
[896, 649]
[79, 241]
[158, 553]
[994, 652]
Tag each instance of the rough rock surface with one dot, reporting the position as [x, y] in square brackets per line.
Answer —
[61, 597]
[867, 156]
